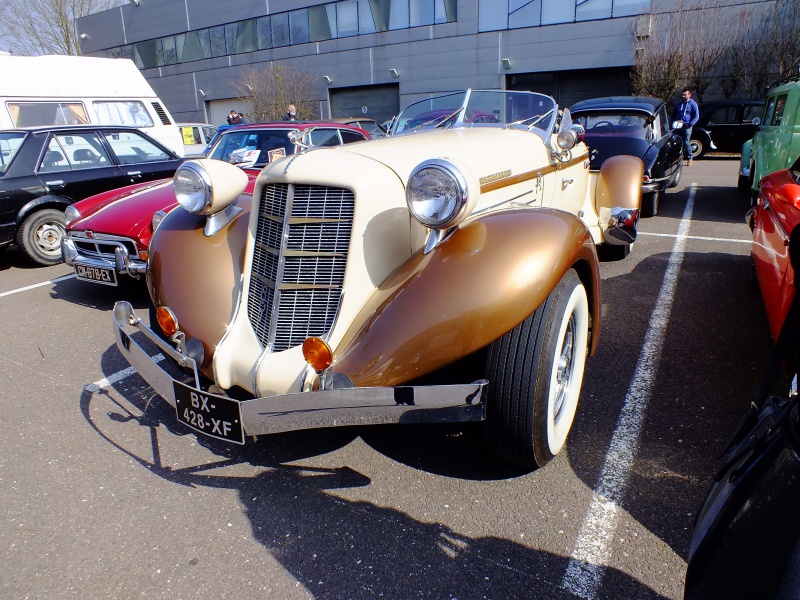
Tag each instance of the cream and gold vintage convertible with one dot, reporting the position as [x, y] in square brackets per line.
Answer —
[447, 272]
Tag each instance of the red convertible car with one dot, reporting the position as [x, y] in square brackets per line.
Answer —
[109, 234]
[772, 220]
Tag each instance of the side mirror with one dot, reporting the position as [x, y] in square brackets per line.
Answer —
[757, 121]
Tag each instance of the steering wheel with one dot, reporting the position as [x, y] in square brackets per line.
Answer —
[602, 124]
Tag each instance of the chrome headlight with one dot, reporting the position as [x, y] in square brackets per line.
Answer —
[193, 189]
[437, 194]
[72, 214]
[205, 186]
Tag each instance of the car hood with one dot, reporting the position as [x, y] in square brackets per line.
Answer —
[603, 147]
[129, 211]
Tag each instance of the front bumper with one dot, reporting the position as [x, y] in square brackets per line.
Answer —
[312, 409]
[121, 263]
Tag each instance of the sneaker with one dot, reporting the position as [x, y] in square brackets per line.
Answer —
[689, 162]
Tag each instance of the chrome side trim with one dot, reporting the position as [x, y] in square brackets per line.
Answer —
[315, 409]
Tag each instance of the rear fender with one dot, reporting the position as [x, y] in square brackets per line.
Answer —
[479, 284]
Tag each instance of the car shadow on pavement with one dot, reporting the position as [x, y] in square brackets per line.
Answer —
[101, 297]
[333, 546]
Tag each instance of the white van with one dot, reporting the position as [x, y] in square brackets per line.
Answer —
[66, 90]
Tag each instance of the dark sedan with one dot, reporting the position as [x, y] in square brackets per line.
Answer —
[724, 126]
[637, 126]
[43, 170]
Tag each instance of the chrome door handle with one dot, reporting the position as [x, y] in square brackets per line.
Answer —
[58, 183]
[134, 173]
[565, 183]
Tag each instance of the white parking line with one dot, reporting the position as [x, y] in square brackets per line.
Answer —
[31, 287]
[118, 376]
[587, 563]
[698, 237]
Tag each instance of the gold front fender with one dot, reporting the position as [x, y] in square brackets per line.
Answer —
[480, 283]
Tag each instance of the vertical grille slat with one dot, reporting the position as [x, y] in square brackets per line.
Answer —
[314, 225]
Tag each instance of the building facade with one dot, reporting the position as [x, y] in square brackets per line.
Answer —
[370, 58]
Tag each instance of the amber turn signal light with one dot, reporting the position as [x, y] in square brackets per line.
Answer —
[317, 354]
[167, 320]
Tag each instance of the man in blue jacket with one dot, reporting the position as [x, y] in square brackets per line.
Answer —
[684, 116]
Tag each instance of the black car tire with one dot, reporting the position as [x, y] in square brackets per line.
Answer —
[698, 148]
[677, 178]
[743, 183]
[650, 204]
[39, 236]
[535, 373]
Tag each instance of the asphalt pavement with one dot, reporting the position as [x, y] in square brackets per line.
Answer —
[105, 495]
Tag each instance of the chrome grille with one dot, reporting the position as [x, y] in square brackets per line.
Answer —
[102, 248]
[302, 239]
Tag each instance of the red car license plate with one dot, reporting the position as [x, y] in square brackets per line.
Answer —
[96, 274]
[214, 416]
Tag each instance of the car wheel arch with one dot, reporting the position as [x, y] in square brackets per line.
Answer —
[41, 203]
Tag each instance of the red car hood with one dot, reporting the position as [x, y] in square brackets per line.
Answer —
[129, 211]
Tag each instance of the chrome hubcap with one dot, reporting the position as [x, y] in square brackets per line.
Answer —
[565, 370]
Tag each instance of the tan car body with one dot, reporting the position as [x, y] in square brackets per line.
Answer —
[489, 275]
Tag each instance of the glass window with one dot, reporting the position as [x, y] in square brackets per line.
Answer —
[264, 29]
[769, 110]
[347, 18]
[592, 9]
[421, 12]
[132, 148]
[83, 150]
[557, 11]
[365, 22]
[189, 47]
[613, 124]
[246, 38]
[751, 112]
[147, 54]
[169, 55]
[524, 14]
[231, 33]
[205, 42]
[398, 16]
[380, 11]
[217, 35]
[780, 105]
[54, 159]
[280, 30]
[35, 114]
[625, 8]
[9, 144]
[724, 115]
[324, 137]
[298, 27]
[319, 28]
[131, 113]
[350, 136]
[252, 148]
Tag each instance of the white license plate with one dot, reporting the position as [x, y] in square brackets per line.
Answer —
[96, 274]
[214, 416]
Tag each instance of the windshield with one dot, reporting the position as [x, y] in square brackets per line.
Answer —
[475, 108]
[613, 124]
[252, 148]
[9, 145]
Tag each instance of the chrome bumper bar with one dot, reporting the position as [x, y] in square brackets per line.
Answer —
[622, 226]
[122, 262]
[314, 409]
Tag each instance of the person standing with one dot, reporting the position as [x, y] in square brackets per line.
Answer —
[684, 116]
[234, 118]
[291, 113]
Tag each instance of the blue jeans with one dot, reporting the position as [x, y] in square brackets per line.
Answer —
[686, 134]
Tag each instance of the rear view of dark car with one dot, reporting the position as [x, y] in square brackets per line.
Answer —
[44, 170]
[724, 126]
[636, 126]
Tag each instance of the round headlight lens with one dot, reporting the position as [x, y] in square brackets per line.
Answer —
[566, 139]
[193, 189]
[71, 214]
[436, 193]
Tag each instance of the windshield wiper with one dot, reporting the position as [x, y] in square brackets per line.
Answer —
[439, 120]
[537, 119]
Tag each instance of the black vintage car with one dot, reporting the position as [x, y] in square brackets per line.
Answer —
[638, 126]
[724, 126]
[43, 170]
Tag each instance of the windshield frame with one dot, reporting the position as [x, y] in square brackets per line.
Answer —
[504, 109]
